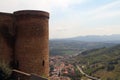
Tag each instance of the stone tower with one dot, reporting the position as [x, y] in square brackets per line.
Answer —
[24, 41]
[6, 37]
[31, 48]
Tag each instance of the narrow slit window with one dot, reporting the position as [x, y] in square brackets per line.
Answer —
[43, 63]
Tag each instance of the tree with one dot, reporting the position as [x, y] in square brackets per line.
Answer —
[110, 67]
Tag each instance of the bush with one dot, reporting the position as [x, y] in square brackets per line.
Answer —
[110, 67]
[5, 71]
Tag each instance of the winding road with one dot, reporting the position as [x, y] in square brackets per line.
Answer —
[83, 73]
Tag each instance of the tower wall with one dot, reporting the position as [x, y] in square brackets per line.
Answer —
[6, 35]
[31, 46]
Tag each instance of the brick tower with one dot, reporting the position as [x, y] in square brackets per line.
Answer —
[6, 37]
[31, 47]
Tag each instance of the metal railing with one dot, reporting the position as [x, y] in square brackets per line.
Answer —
[19, 75]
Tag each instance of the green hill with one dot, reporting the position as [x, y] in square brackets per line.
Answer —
[103, 62]
[61, 47]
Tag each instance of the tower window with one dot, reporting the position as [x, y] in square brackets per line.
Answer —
[43, 63]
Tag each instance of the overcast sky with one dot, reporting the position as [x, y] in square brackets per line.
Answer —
[70, 18]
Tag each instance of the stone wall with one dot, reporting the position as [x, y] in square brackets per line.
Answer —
[6, 34]
[32, 41]
[26, 44]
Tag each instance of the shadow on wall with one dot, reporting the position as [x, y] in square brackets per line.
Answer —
[9, 38]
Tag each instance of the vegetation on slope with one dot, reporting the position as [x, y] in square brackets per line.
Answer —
[5, 71]
[103, 62]
[61, 47]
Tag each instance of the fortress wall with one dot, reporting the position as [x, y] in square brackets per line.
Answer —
[6, 34]
[32, 42]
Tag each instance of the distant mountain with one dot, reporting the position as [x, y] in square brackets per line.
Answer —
[96, 38]
[82, 43]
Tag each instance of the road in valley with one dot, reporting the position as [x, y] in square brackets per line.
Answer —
[86, 75]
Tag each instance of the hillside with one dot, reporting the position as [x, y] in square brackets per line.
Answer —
[103, 62]
[61, 47]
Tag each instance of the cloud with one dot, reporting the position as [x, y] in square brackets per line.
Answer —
[35, 4]
[11, 5]
[99, 30]
[65, 3]
[66, 21]
[106, 15]
[106, 11]
[8, 5]
[75, 24]
[105, 7]
[85, 31]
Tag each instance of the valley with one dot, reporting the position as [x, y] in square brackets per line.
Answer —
[96, 59]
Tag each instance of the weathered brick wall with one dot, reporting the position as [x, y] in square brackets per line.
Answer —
[24, 41]
[6, 34]
[32, 42]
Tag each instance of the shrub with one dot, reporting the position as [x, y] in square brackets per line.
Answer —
[5, 71]
[110, 67]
